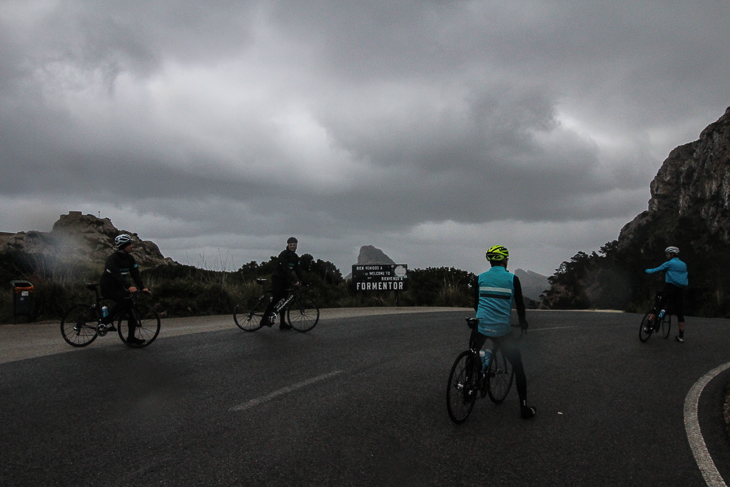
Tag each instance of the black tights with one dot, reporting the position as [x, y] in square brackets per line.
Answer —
[511, 349]
[122, 303]
[277, 295]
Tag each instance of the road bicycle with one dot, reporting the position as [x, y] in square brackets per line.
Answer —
[661, 324]
[81, 324]
[301, 312]
[471, 378]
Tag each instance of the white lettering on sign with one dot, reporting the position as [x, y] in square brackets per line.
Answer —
[379, 286]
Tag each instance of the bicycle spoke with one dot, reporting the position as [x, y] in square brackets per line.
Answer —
[248, 313]
[302, 314]
[646, 328]
[461, 390]
[147, 325]
[78, 325]
[499, 377]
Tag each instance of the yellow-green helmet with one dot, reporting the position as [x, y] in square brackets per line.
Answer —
[498, 253]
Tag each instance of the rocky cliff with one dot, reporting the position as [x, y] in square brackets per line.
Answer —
[81, 238]
[692, 184]
[689, 208]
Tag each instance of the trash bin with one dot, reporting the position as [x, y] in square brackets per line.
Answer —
[22, 297]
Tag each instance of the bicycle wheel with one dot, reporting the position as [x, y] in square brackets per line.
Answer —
[248, 313]
[646, 328]
[666, 325]
[462, 389]
[500, 375]
[148, 326]
[78, 325]
[302, 314]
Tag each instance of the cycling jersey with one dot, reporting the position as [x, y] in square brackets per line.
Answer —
[498, 289]
[119, 267]
[287, 270]
[676, 272]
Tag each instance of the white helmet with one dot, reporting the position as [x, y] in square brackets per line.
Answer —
[122, 241]
[671, 250]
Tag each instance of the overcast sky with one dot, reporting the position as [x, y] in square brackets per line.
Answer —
[429, 129]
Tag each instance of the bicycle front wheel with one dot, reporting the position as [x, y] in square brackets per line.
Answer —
[302, 314]
[500, 375]
[666, 325]
[148, 326]
[78, 325]
[646, 328]
[462, 389]
[248, 313]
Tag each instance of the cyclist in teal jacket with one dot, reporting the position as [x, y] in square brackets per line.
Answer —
[497, 290]
[675, 277]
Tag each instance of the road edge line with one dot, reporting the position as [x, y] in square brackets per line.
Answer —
[692, 428]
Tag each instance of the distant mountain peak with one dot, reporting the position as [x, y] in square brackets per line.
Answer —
[372, 255]
[533, 284]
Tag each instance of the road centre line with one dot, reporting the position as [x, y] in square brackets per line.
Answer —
[552, 328]
[694, 435]
[285, 390]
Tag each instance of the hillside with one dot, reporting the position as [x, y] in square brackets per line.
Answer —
[689, 208]
[83, 239]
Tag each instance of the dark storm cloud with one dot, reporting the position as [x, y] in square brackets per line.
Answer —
[354, 118]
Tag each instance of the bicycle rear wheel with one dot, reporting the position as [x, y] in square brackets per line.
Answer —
[646, 328]
[666, 325]
[148, 326]
[78, 325]
[302, 314]
[462, 389]
[500, 375]
[248, 313]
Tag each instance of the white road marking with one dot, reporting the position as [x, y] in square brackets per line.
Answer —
[281, 392]
[694, 435]
[532, 330]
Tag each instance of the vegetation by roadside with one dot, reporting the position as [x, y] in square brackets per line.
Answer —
[180, 290]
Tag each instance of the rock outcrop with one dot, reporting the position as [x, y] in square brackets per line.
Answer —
[76, 237]
[371, 255]
[693, 185]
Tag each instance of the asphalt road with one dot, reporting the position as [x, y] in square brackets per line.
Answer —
[361, 401]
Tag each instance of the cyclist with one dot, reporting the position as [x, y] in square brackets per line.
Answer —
[286, 274]
[675, 278]
[115, 285]
[495, 293]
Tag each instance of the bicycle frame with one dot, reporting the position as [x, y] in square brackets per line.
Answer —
[268, 294]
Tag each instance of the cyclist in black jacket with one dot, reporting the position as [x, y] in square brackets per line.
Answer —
[115, 285]
[286, 274]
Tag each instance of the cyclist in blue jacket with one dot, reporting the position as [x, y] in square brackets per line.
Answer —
[497, 290]
[675, 277]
